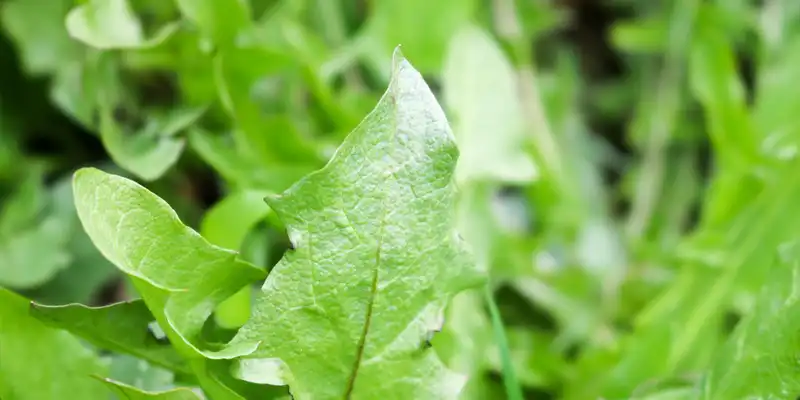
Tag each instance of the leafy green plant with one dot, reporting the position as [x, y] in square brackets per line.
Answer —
[624, 193]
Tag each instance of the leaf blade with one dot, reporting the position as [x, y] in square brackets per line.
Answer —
[387, 194]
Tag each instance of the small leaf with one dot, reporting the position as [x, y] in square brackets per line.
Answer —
[33, 247]
[122, 327]
[140, 234]
[37, 27]
[111, 24]
[150, 152]
[242, 169]
[219, 19]
[375, 260]
[480, 89]
[38, 362]
[129, 392]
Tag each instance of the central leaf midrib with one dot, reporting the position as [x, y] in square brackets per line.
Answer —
[374, 287]
[368, 314]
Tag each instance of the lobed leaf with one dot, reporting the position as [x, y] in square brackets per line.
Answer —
[349, 312]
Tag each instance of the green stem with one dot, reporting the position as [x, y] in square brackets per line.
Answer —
[510, 381]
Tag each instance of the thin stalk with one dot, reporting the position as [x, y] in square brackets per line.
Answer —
[510, 381]
[547, 148]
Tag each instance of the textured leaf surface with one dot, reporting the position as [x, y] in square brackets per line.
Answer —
[760, 359]
[349, 312]
[481, 91]
[41, 363]
[120, 327]
[140, 234]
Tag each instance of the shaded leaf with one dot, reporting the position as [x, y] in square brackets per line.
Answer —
[37, 26]
[41, 363]
[122, 327]
[129, 392]
[33, 240]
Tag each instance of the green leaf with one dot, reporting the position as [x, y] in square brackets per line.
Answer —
[129, 392]
[375, 260]
[759, 360]
[463, 343]
[41, 363]
[180, 275]
[480, 88]
[33, 240]
[150, 152]
[111, 24]
[140, 373]
[397, 22]
[228, 222]
[219, 19]
[87, 272]
[227, 225]
[37, 27]
[122, 327]
[241, 168]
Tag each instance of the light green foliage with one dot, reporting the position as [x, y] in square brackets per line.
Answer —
[140, 234]
[109, 24]
[397, 22]
[625, 179]
[42, 363]
[348, 312]
[480, 89]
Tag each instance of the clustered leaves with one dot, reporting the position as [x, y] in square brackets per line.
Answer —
[240, 199]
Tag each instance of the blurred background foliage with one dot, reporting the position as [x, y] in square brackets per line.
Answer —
[628, 170]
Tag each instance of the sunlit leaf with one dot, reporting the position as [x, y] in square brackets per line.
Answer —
[350, 311]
